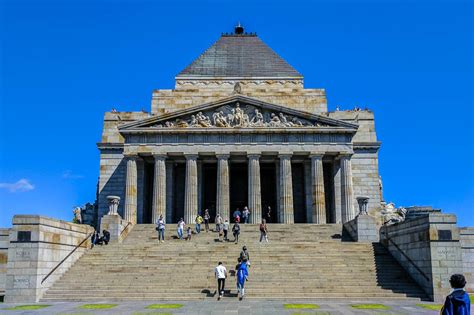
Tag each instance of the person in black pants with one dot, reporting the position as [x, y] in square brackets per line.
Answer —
[221, 273]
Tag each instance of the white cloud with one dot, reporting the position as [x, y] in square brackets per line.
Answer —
[20, 186]
[68, 174]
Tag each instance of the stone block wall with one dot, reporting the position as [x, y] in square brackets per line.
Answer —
[431, 243]
[188, 93]
[37, 245]
[362, 229]
[467, 247]
[364, 118]
[112, 178]
[365, 180]
[4, 244]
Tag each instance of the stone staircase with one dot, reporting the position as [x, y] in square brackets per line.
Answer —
[300, 261]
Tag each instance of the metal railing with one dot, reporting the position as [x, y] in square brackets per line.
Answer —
[125, 228]
[64, 259]
[404, 255]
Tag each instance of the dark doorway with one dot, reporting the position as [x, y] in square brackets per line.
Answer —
[148, 192]
[299, 200]
[329, 195]
[238, 186]
[268, 184]
[209, 189]
[179, 181]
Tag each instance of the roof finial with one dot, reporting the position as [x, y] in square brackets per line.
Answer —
[239, 29]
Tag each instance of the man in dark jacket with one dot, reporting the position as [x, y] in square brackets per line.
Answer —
[457, 303]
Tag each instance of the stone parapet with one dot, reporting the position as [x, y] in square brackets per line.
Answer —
[4, 244]
[428, 248]
[467, 246]
[37, 245]
[363, 229]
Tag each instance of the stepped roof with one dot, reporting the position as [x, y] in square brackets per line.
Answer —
[239, 55]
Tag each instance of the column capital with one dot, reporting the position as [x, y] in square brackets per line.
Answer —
[222, 156]
[191, 156]
[254, 155]
[131, 156]
[316, 155]
[285, 155]
[159, 156]
[345, 155]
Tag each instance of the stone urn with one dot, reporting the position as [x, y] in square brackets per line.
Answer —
[363, 202]
[114, 202]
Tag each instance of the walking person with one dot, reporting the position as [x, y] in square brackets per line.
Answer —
[198, 222]
[245, 256]
[181, 225]
[236, 232]
[225, 229]
[245, 215]
[221, 273]
[189, 233]
[242, 277]
[263, 231]
[218, 222]
[160, 227]
[207, 217]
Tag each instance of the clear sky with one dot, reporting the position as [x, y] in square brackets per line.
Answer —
[64, 63]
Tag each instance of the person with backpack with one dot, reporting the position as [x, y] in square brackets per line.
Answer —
[245, 256]
[242, 277]
[236, 232]
[263, 231]
[160, 227]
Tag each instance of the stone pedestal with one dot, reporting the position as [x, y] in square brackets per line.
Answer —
[115, 225]
[363, 229]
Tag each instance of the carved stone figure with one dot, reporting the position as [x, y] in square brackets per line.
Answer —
[257, 120]
[77, 215]
[393, 215]
[275, 121]
[181, 123]
[237, 88]
[296, 121]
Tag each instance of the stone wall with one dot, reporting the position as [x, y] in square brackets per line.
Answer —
[467, 246]
[37, 245]
[4, 244]
[432, 245]
[111, 180]
[365, 180]
[289, 93]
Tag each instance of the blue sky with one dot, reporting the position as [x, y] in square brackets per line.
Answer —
[64, 63]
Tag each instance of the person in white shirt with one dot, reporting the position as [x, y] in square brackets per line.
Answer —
[226, 229]
[221, 273]
[160, 227]
[181, 225]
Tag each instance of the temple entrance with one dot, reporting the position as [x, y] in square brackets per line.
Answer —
[238, 181]
[178, 196]
[299, 203]
[209, 189]
[268, 190]
[328, 171]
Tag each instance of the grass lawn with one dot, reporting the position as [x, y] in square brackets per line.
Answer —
[302, 306]
[151, 313]
[26, 307]
[471, 297]
[432, 307]
[97, 306]
[370, 307]
[163, 306]
[312, 313]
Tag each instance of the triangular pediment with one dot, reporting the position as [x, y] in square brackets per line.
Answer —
[237, 112]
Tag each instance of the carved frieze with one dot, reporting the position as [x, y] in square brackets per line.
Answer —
[238, 115]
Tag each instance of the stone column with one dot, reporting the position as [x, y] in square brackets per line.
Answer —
[347, 198]
[255, 197]
[200, 186]
[286, 189]
[317, 186]
[159, 188]
[191, 189]
[130, 213]
[223, 199]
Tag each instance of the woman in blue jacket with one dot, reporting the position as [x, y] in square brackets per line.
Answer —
[242, 276]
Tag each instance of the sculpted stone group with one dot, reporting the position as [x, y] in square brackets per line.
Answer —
[226, 117]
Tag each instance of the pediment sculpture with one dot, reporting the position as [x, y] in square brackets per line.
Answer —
[237, 116]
